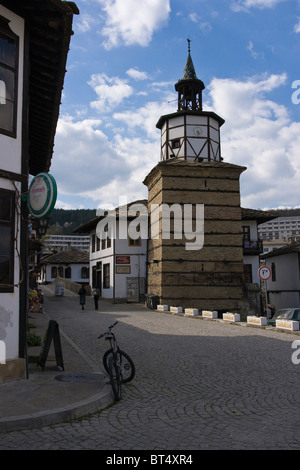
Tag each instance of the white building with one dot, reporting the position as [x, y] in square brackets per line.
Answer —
[283, 287]
[279, 228]
[252, 249]
[66, 242]
[252, 219]
[118, 264]
[70, 265]
[30, 93]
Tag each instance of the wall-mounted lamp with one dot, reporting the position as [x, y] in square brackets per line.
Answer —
[40, 226]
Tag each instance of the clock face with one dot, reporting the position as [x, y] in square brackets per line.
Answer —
[197, 131]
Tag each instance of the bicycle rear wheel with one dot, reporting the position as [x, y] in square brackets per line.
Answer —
[127, 368]
[115, 379]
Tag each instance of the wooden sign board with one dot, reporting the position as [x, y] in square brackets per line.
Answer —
[52, 333]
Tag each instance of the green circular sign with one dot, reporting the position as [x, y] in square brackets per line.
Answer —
[42, 195]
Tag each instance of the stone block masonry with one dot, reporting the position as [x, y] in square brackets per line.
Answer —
[211, 277]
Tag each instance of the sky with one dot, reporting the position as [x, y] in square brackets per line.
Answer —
[124, 60]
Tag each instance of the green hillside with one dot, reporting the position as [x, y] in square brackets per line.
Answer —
[64, 221]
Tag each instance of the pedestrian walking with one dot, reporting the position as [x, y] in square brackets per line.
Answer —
[82, 296]
[96, 294]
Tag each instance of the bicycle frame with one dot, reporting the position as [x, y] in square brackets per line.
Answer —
[117, 363]
[114, 368]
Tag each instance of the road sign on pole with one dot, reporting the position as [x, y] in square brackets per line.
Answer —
[264, 273]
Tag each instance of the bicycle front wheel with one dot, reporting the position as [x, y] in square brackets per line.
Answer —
[127, 368]
[115, 379]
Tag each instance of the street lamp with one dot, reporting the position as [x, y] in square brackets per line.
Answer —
[40, 226]
[43, 226]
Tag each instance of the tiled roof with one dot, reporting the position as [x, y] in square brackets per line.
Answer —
[91, 224]
[291, 248]
[259, 215]
[66, 257]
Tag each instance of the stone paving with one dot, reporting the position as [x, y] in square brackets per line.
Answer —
[200, 384]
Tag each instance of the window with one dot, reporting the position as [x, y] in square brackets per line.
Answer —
[132, 242]
[247, 273]
[7, 228]
[106, 276]
[273, 271]
[54, 271]
[85, 273]
[246, 233]
[176, 144]
[60, 271]
[68, 272]
[134, 237]
[8, 78]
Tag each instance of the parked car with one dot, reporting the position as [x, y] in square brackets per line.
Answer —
[285, 314]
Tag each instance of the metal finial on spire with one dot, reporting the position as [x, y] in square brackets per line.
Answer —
[189, 45]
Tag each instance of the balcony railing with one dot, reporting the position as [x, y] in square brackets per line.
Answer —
[252, 247]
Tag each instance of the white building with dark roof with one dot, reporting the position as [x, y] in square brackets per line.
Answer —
[70, 265]
[283, 287]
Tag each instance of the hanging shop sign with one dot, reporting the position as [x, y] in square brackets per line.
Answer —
[42, 195]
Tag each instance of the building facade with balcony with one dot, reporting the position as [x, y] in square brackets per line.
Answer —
[252, 249]
[33, 35]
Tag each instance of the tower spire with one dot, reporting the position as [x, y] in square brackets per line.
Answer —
[189, 69]
[189, 87]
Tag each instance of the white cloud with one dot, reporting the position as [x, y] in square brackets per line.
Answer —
[133, 21]
[85, 23]
[137, 74]
[297, 27]
[259, 134]
[87, 164]
[203, 25]
[254, 54]
[244, 5]
[110, 91]
[145, 118]
[83, 155]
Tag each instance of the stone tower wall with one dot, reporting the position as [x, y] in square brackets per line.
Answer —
[210, 277]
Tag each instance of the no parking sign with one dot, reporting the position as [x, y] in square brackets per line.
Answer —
[264, 273]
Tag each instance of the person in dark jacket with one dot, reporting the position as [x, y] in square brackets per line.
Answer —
[82, 296]
[96, 294]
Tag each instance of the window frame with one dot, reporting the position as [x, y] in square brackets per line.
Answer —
[9, 286]
[106, 276]
[6, 32]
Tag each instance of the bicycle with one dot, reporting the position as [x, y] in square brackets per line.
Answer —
[117, 363]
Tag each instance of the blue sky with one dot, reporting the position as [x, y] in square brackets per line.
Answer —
[124, 60]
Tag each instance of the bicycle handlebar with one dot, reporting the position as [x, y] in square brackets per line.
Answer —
[109, 328]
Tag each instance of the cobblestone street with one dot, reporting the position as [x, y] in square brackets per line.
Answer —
[199, 384]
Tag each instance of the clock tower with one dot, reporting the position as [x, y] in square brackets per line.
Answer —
[193, 176]
[190, 134]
